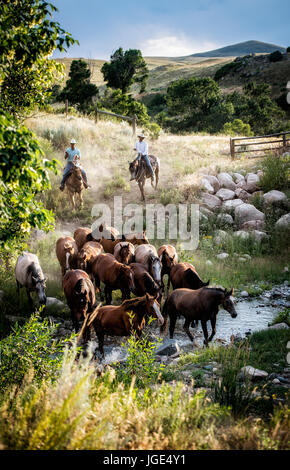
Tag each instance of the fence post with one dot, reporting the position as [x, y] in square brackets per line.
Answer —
[134, 120]
[232, 147]
[66, 107]
[96, 115]
[284, 143]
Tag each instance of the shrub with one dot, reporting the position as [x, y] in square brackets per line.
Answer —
[288, 49]
[31, 345]
[275, 172]
[225, 70]
[275, 56]
[237, 127]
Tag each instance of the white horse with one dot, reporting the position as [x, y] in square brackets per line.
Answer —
[147, 255]
[28, 274]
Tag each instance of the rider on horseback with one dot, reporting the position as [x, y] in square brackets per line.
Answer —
[142, 148]
[73, 154]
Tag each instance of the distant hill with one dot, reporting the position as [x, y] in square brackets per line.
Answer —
[241, 49]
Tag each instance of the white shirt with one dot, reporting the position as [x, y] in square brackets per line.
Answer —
[142, 147]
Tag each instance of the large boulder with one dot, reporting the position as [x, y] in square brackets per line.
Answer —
[283, 223]
[237, 177]
[225, 194]
[226, 181]
[246, 212]
[242, 194]
[274, 196]
[225, 219]
[231, 204]
[220, 236]
[206, 212]
[211, 202]
[253, 225]
[207, 186]
[222, 256]
[242, 234]
[213, 181]
[252, 182]
[253, 374]
[259, 235]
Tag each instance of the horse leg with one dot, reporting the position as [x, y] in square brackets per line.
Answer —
[141, 187]
[204, 329]
[173, 319]
[213, 322]
[75, 322]
[98, 287]
[80, 199]
[100, 336]
[186, 329]
[156, 177]
[108, 295]
[30, 302]
[72, 200]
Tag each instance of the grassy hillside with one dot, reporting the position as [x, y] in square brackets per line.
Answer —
[242, 48]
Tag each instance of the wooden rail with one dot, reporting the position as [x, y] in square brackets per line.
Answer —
[282, 144]
[132, 119]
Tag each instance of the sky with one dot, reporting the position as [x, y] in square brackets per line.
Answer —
[170, 27]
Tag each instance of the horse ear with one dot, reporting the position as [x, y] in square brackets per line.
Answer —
[206, 283]
[231, 291]
[34, 278]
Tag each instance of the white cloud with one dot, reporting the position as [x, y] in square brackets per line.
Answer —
[174, 46]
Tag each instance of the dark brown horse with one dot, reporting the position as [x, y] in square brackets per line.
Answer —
[168, 257]
[202, 304]
[140, 171]
[116, 321]
[114, 275]
[80, 295]
[184, 275]
[144, 283]
[124, 252]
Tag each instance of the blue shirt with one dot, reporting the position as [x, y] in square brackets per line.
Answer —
[72, 153]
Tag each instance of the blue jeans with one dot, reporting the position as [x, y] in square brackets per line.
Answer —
[67, 170]
[147, 161]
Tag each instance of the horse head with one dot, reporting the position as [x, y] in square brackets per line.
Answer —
[133, 167]
[155, 268]
[228, 303]
[40, 285]
[82, 295]
[125, 254]
[193, 279]
[153, 308]
[127, 276]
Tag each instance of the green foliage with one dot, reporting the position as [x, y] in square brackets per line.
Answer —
[30, 346]
[276, 172]
[237, 127]
[226, 69]
[276, 56]
[124, 69]
[121, 103]
[23, 175]
[282, 317]
[78, 89]
[268, 347]
[140, 361]
[28, 36]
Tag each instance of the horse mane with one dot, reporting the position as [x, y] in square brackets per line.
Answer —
[133, 303]
[217, 289]
[80, 285]
[34, 271]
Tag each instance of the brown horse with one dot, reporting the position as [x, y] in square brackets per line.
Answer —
[66, 252]
[168, 257]
[140, 171]
[137, 238]
[75, 185]
[88, 255]
[144, 283]
[124, 252]
[82, 235]
[114, 275]
[116, 321]
[80, 295]
[202, 304]
[184, 275]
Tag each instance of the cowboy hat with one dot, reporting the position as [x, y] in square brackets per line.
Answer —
[73, 141]
[141, 135]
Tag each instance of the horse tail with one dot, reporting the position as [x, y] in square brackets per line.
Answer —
[88, 321]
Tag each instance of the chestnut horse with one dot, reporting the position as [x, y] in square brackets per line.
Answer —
[88, 255]
[82, 235]
[185, 275]
[66, 252]
[117, 321]
[138, 169]
[144, 283]
[202, 304]
[75, 185]
[124, 252]
[137, 238]
[168, 257]
[114, 275]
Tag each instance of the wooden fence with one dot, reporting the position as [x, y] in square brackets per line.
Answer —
[277, 143]
[132, 119]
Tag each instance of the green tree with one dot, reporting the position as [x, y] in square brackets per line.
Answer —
[124, 69]
[237, 127]
[195, 104]
[28, 36]
[78, 89]
[124, 104]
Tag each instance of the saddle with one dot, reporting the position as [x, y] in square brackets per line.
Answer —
[143, 168]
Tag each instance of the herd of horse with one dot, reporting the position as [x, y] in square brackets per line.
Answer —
[132, 265]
